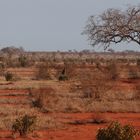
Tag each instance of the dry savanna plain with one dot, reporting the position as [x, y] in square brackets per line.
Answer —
[67, 95]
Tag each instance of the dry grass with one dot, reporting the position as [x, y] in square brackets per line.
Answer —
[43, 72]
[90, 91]
[9, 114]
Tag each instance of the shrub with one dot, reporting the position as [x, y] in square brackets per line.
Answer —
[43, 72]
[138, 62]
[95, 85]
[70, 69]
[136, 95]
[117, 132]
[100, 118]
[24, 125]
[23, 61]
[39, 101]
[2, 69]
[43, 98]
[63, 76]
[9, 76]
[112, 70]
[133, 74]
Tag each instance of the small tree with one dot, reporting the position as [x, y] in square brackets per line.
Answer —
[114, 26]
[12, 50]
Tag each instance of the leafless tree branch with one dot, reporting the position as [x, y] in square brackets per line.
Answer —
[114, 26]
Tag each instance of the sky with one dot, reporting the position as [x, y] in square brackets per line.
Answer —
[51, 25]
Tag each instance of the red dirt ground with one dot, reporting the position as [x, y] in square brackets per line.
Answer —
[81, 132]
[71, 131]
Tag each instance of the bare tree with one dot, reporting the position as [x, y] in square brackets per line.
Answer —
[114, 26]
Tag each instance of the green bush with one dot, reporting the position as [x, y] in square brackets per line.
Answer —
[9, 76]
[24, 125]
[115, 131]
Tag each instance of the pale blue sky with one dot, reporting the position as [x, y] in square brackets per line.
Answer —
[49, 25]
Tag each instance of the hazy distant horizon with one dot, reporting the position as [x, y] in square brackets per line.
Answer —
[50, 25]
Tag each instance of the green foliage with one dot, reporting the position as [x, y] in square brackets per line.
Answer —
[8, 76]
[117, 132]
[24, 125]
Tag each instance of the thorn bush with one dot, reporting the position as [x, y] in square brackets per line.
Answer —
[8, 76]
[63, 76]
[43, 72]
[115, 131]
[23, 61]
[24, 125]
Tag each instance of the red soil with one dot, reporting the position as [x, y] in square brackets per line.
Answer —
[81, 132]
[13, 91]
[71, 131]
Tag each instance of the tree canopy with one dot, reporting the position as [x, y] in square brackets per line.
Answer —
[114, 26]
[12, 50]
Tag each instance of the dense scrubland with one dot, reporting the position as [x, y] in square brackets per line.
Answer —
[67, 95]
